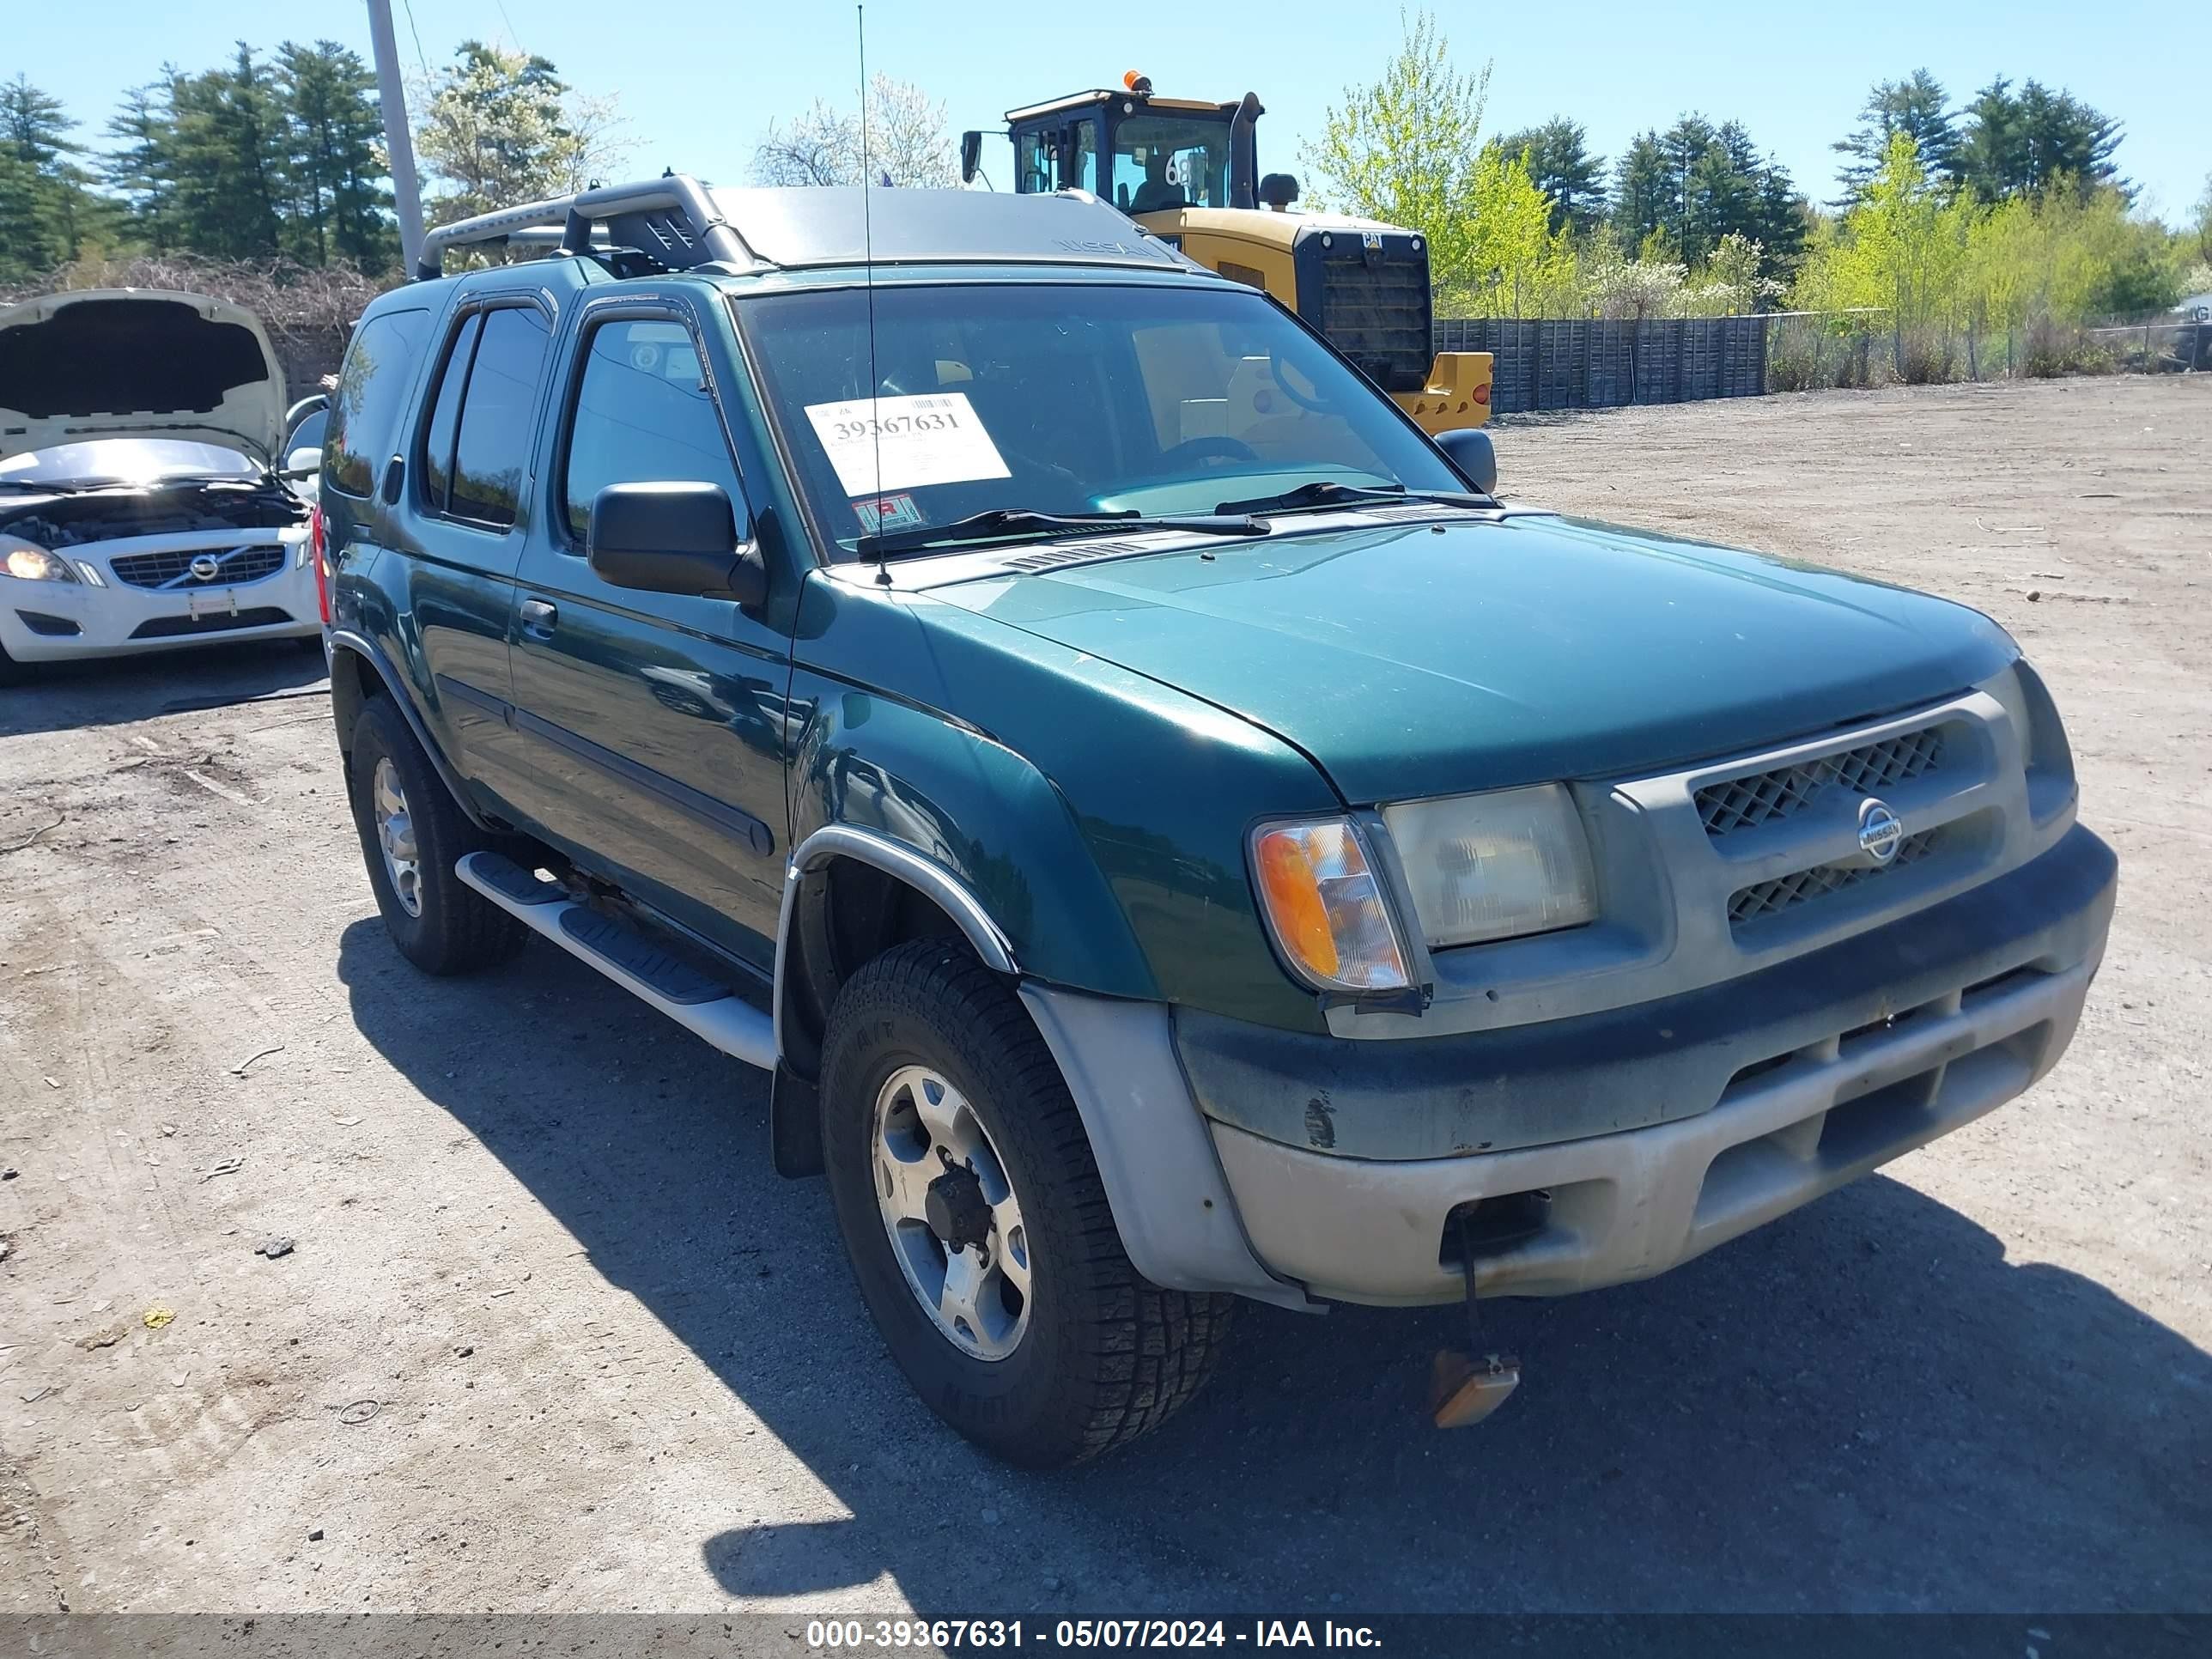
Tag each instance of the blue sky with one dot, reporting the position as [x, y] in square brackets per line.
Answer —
[699, 84]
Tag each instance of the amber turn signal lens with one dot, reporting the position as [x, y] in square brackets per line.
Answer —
[1325, 907]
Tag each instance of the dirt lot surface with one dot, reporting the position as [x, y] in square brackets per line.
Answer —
[553, 1336]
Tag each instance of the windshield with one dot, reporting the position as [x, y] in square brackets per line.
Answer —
[125, 460]
[1063, 399]
[1164, 161]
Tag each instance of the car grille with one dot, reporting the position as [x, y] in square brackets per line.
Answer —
[1745, 803]
[171, 627]
[1377, 314]
[1764, 898]
[174, 570]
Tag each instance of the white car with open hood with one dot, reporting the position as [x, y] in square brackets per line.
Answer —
[140, 506]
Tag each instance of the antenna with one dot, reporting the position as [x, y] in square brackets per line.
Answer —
[868, 286]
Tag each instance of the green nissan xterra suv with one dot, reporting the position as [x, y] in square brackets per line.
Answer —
[1172, 833]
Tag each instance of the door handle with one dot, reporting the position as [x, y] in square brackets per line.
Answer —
[538, 617]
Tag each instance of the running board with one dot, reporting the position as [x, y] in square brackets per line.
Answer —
[628, 957]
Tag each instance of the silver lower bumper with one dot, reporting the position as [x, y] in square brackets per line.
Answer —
[1627, 1206]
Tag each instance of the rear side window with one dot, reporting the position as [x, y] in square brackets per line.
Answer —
[437, 461]
[644, 413]
[498, 412]
[372, 385]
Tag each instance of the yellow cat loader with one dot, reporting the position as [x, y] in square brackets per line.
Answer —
[1189, 172]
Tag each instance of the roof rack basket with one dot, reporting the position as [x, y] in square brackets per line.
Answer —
[671, 220]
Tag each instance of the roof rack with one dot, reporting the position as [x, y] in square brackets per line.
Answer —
[671, 220]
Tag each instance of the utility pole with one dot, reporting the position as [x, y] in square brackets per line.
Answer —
[398, 139]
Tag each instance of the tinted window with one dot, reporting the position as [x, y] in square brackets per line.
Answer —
[437, 461]
[365, 409]
[497, 414]
[643, 415]
[1156, 399]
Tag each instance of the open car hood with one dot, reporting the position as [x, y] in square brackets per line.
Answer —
[140, 363]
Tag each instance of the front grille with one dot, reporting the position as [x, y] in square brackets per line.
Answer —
[1377, 314]
[174, 570]
[1747, 802]
[171, 628]
[1764, 898]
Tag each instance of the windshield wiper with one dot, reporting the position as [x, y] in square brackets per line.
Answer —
[1327, 492]
[1001, 522]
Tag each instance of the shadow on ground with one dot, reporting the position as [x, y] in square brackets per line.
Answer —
[116, 691]
[1864, 1405]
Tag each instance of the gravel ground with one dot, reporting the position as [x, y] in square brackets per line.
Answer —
[553, 1337]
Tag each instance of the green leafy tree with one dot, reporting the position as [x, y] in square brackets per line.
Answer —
[1916, 106]
[1561, 165]
[1523, 267]
[1404, 148]
[498, 127]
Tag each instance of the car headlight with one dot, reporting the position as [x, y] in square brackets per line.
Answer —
[1324, 905]
[2042, 745]
[32, 563]
[1495, 865]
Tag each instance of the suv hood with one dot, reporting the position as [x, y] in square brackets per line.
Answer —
[1436, 658]
[107, 362]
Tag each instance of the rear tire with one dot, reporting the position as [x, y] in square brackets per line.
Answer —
[439, 923]
[1093, 1355]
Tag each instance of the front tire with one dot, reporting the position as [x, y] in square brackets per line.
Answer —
[944, 1122]
[411, 836]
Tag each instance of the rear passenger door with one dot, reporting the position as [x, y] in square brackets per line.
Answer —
[655, 723]
[469, 486]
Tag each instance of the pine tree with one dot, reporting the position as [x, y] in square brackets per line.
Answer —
[332, 124]
[2021, 143]
[48, 209]
[1916, 106]
[1561, 165]
[1642, 197]
[143, 170]
[227, 160]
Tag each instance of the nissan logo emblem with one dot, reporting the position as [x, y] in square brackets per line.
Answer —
[206, 567]
[1882, 832]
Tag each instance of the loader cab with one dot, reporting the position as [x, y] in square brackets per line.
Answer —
[1143, 154]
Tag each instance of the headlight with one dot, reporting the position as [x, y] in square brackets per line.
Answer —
[32, 563]
[2042, 745]
[1325, 906]
[1496, 865]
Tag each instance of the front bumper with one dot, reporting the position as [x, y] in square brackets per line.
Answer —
[1857, 1054]
[57, 622]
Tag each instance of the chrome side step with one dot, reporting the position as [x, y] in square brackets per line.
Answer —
[709, 1010]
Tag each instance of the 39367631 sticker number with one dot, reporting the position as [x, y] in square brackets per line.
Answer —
[886, 444]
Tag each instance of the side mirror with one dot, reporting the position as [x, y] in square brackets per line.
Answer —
[1278, 190]
[674, 538]
[1470, 450]
[971, 156]
[313, 403]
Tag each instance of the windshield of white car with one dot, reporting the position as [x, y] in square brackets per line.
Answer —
[126, 461]
[1063, 399]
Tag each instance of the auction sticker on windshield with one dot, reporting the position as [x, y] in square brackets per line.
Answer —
[930, 440]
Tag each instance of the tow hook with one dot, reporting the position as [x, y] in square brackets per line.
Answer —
[1463, 1389]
